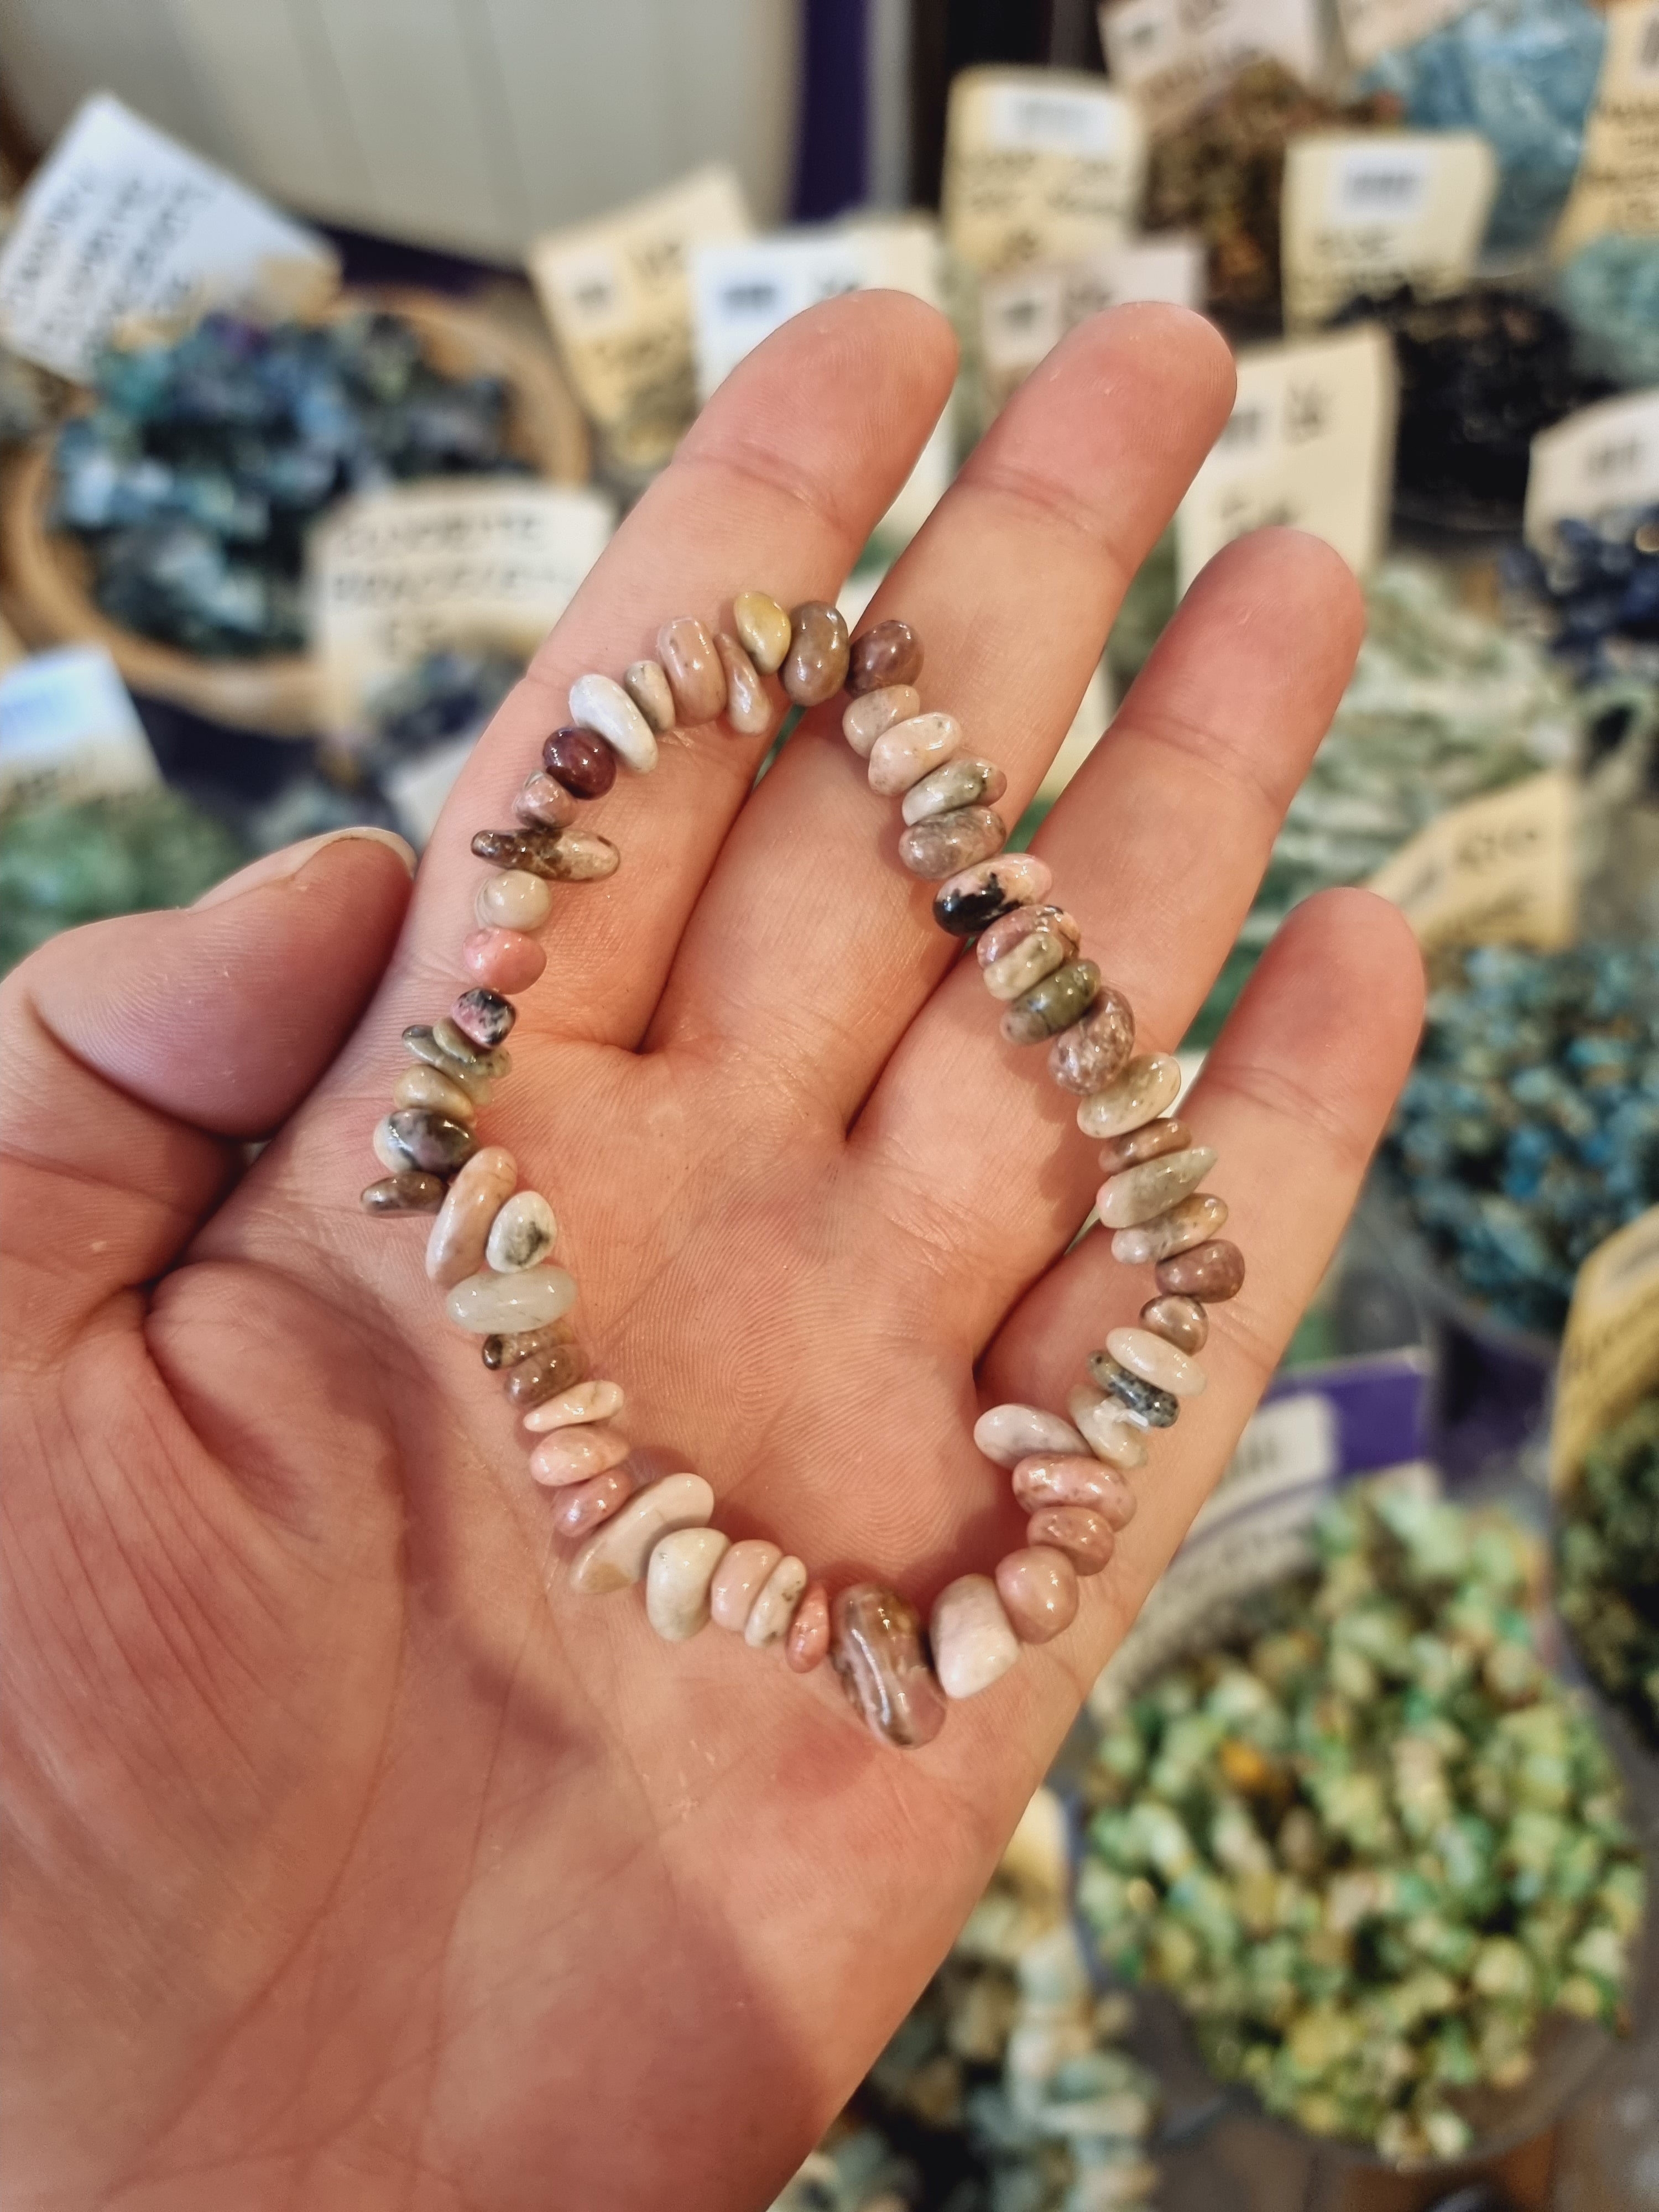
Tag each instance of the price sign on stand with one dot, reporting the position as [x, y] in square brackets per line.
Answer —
[1617, 182]
[618, 295]
[1371, 28]
[1025, 314]
[1368, 211]
[69, 731]
[1604, 457]
[1173, 55]
[1610, 1351]
[1039, 165]
[1309, 442]
[120, 222]
[1499, 870]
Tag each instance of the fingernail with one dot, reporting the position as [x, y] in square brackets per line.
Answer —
[278, 868]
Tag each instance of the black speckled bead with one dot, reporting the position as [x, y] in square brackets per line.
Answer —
[1156, 1408]
[483, 1016]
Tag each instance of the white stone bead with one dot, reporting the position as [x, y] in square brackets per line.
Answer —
[489, 1303]
[1008, 1434]
[599, 702]
[515, 899]
[1127, 1199]
[522, 1233]
[973, 1639]
[775, 1606]
[909, 750]
[646, 685]
[617, 1552]
[587, 1402]
[1157, 1360]
[1139, 1094]
[677, 1578]
[1107, 1430]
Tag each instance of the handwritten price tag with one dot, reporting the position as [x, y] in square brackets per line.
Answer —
[1610, 1352]
[1173, 55]
[1497, 871]
[1603, 456]
[1039, 165]
[1617, 182]
[1365, 212]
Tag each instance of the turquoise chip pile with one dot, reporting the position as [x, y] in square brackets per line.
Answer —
[1607, 1563]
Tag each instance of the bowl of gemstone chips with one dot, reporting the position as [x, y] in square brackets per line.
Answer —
[1376, 1851]
[167, 521]
[1606, 1564]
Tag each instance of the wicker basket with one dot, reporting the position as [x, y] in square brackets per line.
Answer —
[46, 573]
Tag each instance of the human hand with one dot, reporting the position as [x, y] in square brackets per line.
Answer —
[355, 1860]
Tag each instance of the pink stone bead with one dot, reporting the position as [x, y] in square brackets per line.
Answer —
[572, 1454]
[1039, 1592]
[1012, 929]
[543, 800]
[455, 1248]
[502, 959]
[1085, 1537]
[1053, 1480]
[584, 1506]
[739, 1577]
[809, 1633]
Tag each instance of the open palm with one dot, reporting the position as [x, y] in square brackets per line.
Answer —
[355, 1860]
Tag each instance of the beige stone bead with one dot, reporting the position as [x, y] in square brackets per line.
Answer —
[909, 751]
[963, 781]
[513, 900]
[1070, 1480]
[815, 666]
[616, 1553]
[865, 719]
[1194, 1221]
[1139, 1093]
[1179, 1320]
[677, 1578]
[489, 1303]
[1039, 1592]
[775, 1606]
[587, 1401]
[973, 1640]
[429, 1086]
[693, 669]
[647, 687]
[1124, 1200]
[577, 1454]
[1035, 956]
[1148, 1142]
[739, 1580]
[1107, 1430]
[1154, 1359]
[522, 1233]
[455, 1249]
[748, 703]
[1009, 1433]
[600, 704]
[763, 626]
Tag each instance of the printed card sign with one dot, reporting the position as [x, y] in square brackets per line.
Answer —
[1025, 314]
[1310, 443]
[397, 573]
[1371, 28]
[1604, 457]
[122, 222]
[1617, 182]
[618, 295]
[1368, 211]
[1173, 55]
[1039, 165]
[1610, 1352]
[1496, 871]
[69, 731]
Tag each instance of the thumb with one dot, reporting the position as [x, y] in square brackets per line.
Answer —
[133, 1052]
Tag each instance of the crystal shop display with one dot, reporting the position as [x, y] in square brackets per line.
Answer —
[1609, 292]
[1607, 1563]
[1592, 594]
[1367, 1840]
[1528, 1130]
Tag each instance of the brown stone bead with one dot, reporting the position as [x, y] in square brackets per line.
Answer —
[1211, 1272]
[582, 762]
[507, 1349]
[1064, 1478]
[1039, 1593]
[558, 856]
[1180, 1321]
[1082, 1535]
[889, 653]
[1053, 1003]
[947, 843]
[584, 1504]
[1004, 933]
[748, 703]
[693, 668]
[808, 1641]
[411, 1192]
[876, 1647]
[1148, 1142]
[545, 1374]
[815, 667]
[432, 1143]
[1085, 1057]
[542, 799]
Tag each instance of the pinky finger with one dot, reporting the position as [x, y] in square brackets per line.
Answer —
[1294, 1099]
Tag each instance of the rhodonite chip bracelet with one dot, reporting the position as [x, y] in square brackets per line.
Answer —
[490, 1245]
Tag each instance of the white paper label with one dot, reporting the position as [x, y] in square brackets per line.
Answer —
[1368, 211]
[397, 573]
[617, 293]
[1039, 165]
[68, 730]
[1498, 870]
[1025, 313]
[1175, 54]
[1604, 457]
[1618, 184]
[1310, 443]
[1610, 1351]
[121, 221]
[1371, 28]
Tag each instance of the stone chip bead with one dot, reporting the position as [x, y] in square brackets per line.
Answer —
[1008, 1434]
[1181, 1322]
[765, 629]
[962, 782]
[748, 703]
[582, 762]
[1148, 1142]
[1084, 1536]
[1156, 1360]
[1110, 1433]
[1039, 1592]
[973, 1640]
[1212, 1271]
[647, 687]
[1034, 956]
[484, 1018]
[1091, 1053]
[490, 1061]
[455, 1250]
[945, 844]
[507, 1350]
[1023, 921]
[407, 1191]
[808, 1641]
[1194, 1221]
[563, 856]
[815, 667]
[576, 1455]
[421, 1042]
[587, 1401]
[489, 1304]
[889, 652]
[416, 1137]
[431, 1087]
[599, 702]
[1152, 1406]
[1139, 1092]
[693, 669]
[586, 1504]
[543, 800]
[1138, 1194]
[504, 959]
[677, 1578]
[740, 1579]
[1052, 1005]
[545, 1375]
[876, 1648]
[967, 902]
[617, 1554]
[867, 718]
[1064, 1479]
[907, 752]
[514, 900]
[774, 1603]
[522, 1233]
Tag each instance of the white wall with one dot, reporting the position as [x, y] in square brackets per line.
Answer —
[470, 124]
